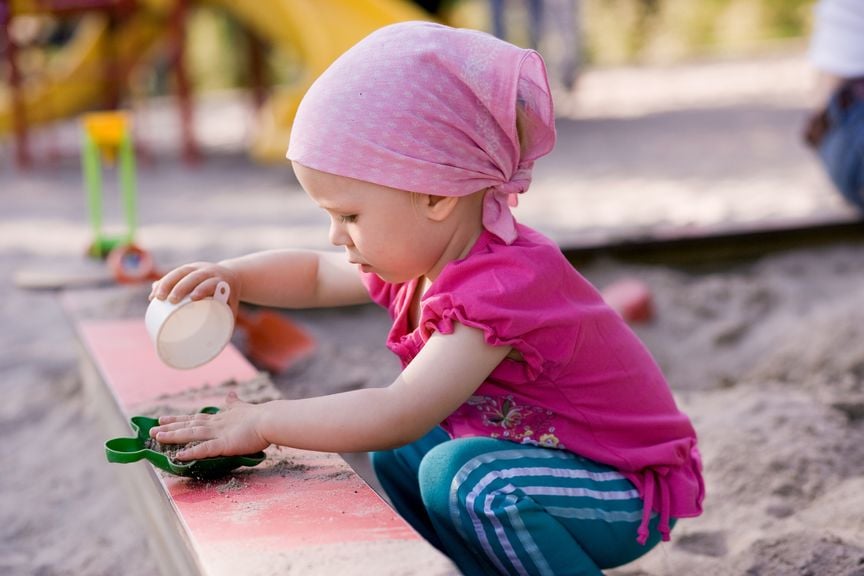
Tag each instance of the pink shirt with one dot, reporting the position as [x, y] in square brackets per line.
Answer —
[585, 383]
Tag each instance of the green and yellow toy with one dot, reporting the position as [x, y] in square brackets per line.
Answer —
[107, 136]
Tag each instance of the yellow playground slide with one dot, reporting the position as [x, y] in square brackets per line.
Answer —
[318, 30]
[73, 81]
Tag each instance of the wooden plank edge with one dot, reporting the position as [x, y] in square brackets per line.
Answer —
[167, 536]
[699, 245]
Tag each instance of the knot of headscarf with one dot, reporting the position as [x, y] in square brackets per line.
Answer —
[497, 217]
[427, 108]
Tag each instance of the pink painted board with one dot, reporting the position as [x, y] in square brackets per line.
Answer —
[296, 499]
[127, 360]
[322, 502]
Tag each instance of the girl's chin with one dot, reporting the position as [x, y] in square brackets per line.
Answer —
[389, 276]
[385, 276]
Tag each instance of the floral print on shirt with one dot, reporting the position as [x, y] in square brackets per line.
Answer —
[509, 420]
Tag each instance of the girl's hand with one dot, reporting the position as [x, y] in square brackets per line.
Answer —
[230, 432]
[197, 280]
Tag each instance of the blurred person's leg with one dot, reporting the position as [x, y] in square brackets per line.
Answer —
[836, 128]
[837, 135]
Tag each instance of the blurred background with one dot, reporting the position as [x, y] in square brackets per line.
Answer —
[65, 57]
[671, 113]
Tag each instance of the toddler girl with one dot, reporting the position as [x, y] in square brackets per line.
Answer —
[530, 432]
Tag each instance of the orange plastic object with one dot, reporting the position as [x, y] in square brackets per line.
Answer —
[273, 341]
[131, 264]
[632, 299]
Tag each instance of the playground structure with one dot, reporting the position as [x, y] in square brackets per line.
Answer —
[92, 69]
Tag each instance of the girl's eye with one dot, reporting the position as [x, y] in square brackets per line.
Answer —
[348, 219]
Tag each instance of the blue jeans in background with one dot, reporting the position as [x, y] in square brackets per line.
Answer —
[837, 135]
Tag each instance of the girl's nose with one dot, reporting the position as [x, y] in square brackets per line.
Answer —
[338, 235]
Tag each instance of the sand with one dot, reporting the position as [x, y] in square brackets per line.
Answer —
[766, 360]
[765, 355]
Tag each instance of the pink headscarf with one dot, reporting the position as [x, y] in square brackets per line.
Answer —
[427, 108]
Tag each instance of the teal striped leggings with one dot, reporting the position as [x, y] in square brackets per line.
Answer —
[496, 507]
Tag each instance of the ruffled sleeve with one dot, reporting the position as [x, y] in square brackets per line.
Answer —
[515, 294]
[443, 311]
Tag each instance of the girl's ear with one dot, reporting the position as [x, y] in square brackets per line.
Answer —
[438, 208]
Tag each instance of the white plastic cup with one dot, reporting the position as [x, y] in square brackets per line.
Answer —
[190, 333]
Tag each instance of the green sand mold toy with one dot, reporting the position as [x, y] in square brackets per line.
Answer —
[127, 450]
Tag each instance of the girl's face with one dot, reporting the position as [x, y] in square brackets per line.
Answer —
[384, 230]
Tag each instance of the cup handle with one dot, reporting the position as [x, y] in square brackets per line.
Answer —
[223, 290]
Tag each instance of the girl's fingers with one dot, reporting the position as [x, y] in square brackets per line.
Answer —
[206, 449]
[184, 285]
[172, 419]
[181, 434]
[205, 288]
[182, 422]
[209, 434]
[164, 286]
[198, 284]
[176, 284]
[197, 281]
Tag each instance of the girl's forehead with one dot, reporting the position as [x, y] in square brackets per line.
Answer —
[325, 183]
[340, 194]
[321, 186]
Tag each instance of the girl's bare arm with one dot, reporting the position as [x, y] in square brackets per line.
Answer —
[441, 378]
[280, 278]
